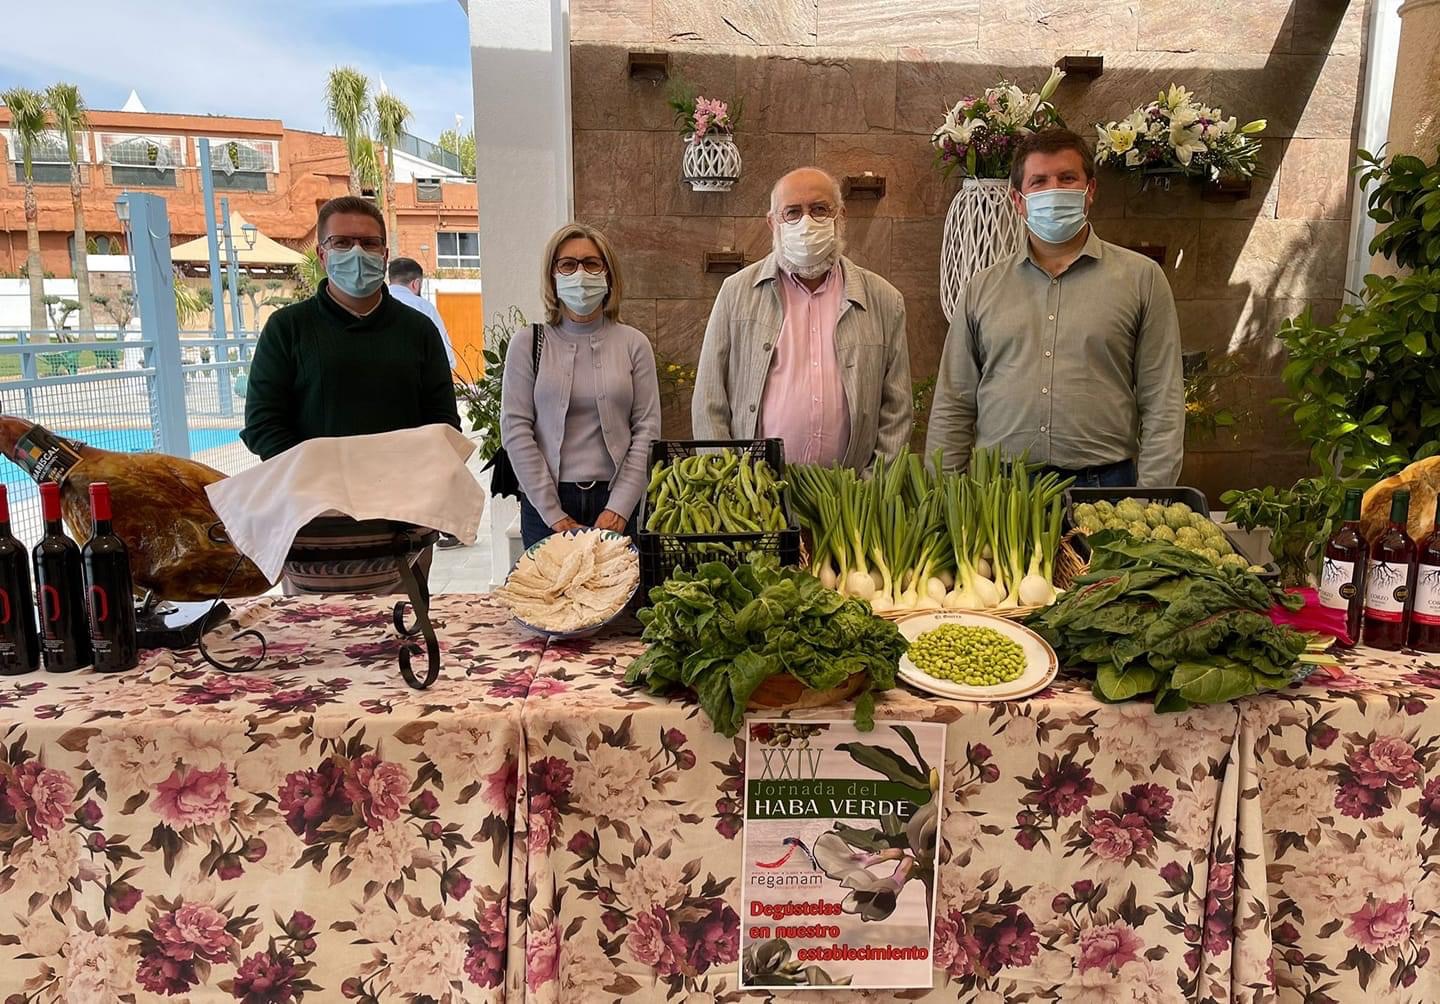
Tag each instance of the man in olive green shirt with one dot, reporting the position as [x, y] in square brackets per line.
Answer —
[1068, 351]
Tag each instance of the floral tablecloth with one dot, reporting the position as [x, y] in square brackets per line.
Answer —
[311, 830]
[1279, 848]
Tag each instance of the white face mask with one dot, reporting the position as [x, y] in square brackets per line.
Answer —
[582, 292]
[808, 247]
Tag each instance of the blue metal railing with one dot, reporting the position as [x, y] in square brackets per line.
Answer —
[101, 387]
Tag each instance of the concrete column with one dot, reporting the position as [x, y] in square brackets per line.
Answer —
[1415, 106]
[520, 63]
[520, 55]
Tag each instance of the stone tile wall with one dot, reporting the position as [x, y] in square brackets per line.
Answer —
[858, 85]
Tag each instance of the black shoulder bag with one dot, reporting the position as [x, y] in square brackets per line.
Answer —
[502, 473]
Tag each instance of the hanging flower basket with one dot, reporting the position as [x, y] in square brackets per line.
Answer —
[981, 228]
[711, 163]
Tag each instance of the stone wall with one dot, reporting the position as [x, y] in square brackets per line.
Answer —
[858, 85]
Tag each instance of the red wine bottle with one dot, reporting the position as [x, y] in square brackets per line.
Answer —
[109, 589]
[1425, 621]
[1342, 575]
[19, 644]
[1387, 579]
[59, 591]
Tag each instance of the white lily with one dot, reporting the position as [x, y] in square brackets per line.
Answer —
[1056, 75]
[1121, 136]
[1132, 158]
[1176, 97]
[1186, 141]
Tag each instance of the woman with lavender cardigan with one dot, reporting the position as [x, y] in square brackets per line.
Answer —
[578, 429]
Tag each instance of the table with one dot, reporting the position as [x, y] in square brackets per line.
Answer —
[319, 829]
[1284, 847]
[313, 828]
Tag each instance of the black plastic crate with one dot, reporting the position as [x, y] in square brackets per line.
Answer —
[1193, 497]
[661, 554]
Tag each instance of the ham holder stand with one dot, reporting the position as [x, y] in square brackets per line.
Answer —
[344, 555]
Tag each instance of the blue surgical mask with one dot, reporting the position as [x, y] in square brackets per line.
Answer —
[582, 292]
[355, 272]
[1056, 214]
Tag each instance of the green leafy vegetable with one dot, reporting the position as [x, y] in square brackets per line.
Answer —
[1155, 619]
[722, 632]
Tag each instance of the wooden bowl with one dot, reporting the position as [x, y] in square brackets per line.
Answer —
[783, 691]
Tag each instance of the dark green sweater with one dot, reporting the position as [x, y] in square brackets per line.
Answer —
[319, 370]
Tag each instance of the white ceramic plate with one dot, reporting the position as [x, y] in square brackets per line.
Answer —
[589, 629]
[1041, 664]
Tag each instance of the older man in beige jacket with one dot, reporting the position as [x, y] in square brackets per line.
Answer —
[805, 345]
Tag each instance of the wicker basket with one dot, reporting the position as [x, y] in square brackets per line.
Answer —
[783, 692]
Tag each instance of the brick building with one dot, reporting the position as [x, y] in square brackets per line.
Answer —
[274, 176]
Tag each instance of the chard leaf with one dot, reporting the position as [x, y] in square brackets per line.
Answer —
[1114, 685]
[1212, 682]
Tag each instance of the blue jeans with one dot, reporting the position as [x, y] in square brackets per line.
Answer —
[583, 505]
[1118, 475]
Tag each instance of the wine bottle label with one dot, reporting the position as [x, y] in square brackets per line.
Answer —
[45, 456]
[1337, 584]
[1386, 590]
[1427, 595]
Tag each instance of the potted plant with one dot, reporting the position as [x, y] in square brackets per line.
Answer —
[978, 139]
[711, 162]
[1175, 136]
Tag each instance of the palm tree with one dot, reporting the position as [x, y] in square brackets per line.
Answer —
[367, 166]
[391, 114]
[68, 107]
[27, 119]
[347, 102]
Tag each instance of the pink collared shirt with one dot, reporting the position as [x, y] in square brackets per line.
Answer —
[804, 399]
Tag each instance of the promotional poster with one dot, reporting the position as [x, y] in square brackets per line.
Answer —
[841, 831]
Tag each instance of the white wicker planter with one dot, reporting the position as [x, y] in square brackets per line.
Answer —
[712, 165]
[981, 228]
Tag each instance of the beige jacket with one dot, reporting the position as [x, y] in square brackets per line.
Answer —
[869, 342]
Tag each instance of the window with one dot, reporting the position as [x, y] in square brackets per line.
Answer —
[142, 177]
[142, 161]
[44, 174]
[457, 249]
[428, 190]
[242, 181]
[49, 159]
[242, 164]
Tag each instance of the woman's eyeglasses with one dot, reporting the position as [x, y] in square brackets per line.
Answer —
[569, 266]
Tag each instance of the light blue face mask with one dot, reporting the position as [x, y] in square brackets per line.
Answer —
[1056, 214]
[355, 272]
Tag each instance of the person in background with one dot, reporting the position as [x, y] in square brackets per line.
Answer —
[406, 277]
[1070, 349]
[350, 360]
[805, 345]
[578, 429]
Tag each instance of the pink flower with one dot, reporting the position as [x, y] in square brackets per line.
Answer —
[1387, 760]
[376, 788]
[1380, 925]
[1109, 946]
[194, 797]
[652, 943]
[500, 787]
[1110, 838]
[542, 955]
[45, 795]
[193, 931]
[547, 686]
[956, 949]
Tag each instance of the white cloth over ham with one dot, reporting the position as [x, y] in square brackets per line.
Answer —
[411, 476]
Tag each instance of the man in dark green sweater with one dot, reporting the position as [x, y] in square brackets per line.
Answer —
[350, 360]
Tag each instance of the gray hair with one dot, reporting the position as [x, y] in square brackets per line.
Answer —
[834, 187]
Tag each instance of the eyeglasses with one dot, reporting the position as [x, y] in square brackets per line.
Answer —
[340, 242]
[569, 266]
[819, 212]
